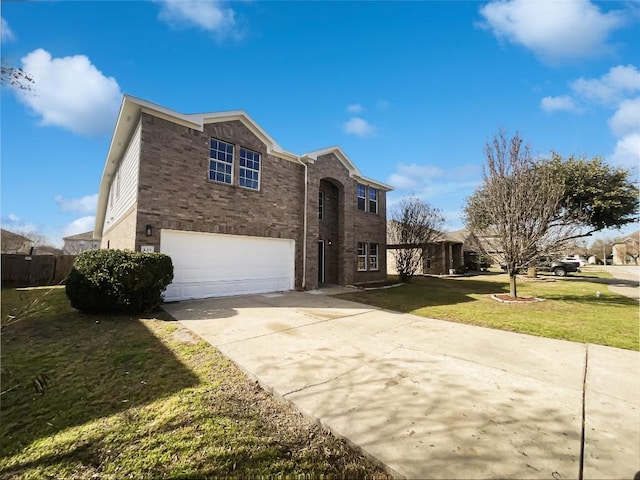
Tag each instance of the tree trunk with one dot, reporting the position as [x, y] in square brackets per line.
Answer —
[532, 272]
[512, 285]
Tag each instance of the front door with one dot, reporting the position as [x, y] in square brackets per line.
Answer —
[320, 262]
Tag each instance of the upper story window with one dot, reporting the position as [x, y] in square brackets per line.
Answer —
[320, 205]
[249, 169]
[362, 197]
[373, 200]
[369, 194]
[221, 161]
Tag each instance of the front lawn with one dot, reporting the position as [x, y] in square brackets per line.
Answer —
[141, 398]
[579, 309]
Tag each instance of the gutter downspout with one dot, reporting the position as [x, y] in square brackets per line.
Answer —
[304, 223]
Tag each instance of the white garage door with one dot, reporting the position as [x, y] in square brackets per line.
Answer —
[215, 265]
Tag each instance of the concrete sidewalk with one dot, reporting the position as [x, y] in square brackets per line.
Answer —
[435, 399]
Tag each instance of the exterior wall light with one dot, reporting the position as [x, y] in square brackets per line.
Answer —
[148, 230]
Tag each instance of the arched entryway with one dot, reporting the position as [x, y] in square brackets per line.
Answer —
[329, 232]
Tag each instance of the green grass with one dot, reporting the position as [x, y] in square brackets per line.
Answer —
[572, 309]
[140, 397]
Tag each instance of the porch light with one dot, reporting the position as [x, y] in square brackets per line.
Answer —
[148, 230]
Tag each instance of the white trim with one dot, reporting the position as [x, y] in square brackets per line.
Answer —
[348, 164]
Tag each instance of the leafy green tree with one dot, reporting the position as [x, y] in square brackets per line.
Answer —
[596, 195]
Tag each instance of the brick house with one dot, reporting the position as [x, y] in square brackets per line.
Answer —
[236, 212]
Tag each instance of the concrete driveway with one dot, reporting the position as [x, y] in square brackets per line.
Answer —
[435, 399]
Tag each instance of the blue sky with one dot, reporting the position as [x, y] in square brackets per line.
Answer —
[411, 91]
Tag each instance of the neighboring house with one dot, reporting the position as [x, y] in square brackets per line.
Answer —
[237, 213]
[625, 250]
[454, 252]
[75, 244]
[15, 243]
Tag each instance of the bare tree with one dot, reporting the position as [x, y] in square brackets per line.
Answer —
[412, 225]
[515, 207]
[16, 77]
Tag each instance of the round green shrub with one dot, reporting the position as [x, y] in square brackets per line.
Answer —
[118, 281]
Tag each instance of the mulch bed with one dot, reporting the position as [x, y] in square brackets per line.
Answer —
[504, 298]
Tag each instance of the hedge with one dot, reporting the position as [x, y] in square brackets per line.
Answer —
[118, 281]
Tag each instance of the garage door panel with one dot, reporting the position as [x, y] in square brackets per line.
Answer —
[207, 265]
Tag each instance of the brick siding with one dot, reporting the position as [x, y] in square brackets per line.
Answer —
[174, 192]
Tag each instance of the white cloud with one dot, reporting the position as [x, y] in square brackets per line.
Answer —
[86, 204]
[80, 225]
[70, 92]
[617, 90]
[209, 15]
[6, 34]
[562, 102]
[627, 152]
[619, 82]
[413, 170]
[402, 182]
[433, 184]
[355, 108]
[358, 126]
[14, 223]
[553, 30]
[626, 120]
[382, 104]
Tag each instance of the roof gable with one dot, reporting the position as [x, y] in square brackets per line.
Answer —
[80, 236]
[348, 164]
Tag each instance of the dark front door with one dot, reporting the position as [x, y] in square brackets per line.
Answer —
[320, 262]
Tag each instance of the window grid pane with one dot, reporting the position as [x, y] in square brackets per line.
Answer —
[249, 169]
[373, 256]
[373, 200]
[362, 195]
[221, 161]
[362, 256]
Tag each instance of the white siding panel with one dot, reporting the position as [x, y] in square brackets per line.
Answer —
[127, 172]
[215, 265]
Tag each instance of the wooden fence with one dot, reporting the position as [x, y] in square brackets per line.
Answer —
[34, 270]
